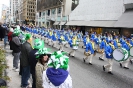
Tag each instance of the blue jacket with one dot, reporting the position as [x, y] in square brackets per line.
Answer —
[115, 44]
[108, 52]
[126, 46]
[89, 48]
[53, 37]
[102, 45]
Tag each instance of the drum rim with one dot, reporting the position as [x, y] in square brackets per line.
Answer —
[130, 52]
[118, 60]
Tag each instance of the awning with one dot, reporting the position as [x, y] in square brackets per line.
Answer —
[101, 23]
[76, 23]
[56, 23]
[62, 23]
[126, 20]
[92, 23]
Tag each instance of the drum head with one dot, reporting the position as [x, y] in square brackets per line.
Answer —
[118, 54]
[131, 51]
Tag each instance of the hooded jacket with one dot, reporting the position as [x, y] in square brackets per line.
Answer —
[56, 78]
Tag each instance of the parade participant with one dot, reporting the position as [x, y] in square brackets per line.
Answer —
[108, 53]
[126, 46]
[116, 42]
[42, 56]
[62, 42]
[50, 36]
[57, 73]
[90, 47]
[54, 39]
[102, 49]
[38, 44]
[24, 60]
[73, 45]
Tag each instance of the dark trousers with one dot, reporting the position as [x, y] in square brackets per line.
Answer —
[34, 81]
[25, 76]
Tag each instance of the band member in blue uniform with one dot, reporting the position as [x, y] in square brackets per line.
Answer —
[90, 47]
[127, 46]
[108, 53]
[102, 49]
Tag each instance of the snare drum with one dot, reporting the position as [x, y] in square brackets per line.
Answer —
[121, 54]
[75, 47]
[131, 51]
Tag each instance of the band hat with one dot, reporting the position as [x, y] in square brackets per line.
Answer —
[27, 36]
[38, 44]
[111, 41]
[42, 51]
[59, 60]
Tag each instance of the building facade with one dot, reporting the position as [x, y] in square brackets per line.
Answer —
[103, 15]
[27, 11]
[14, 5]
[5, 14]
[54, 12]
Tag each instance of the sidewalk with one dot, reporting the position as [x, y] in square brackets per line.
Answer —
[15, 79]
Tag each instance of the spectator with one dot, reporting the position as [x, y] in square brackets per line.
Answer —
[24, 61]
[10, 37]
[41, 66]
[5, 31]
[16, 44]
[1, 32]
[32, 59]
[57, 75]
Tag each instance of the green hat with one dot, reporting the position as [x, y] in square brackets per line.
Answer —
[38, 44]
[27, 36]
[59, 60]
[42, 51]
[16, 32]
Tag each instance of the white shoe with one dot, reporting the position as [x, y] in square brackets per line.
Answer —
[16, 70]
[13, 68]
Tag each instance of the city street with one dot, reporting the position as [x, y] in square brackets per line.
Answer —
[85, 75]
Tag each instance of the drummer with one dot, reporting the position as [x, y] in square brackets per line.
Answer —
[108, 53]
[127, 46]
[90, 47]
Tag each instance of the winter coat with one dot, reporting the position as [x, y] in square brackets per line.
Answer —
[25, 51]
[15, 44]
[39, 74]
[56, 78]
[2, 32]
[33, 61]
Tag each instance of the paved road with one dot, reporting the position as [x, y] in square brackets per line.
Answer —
[87, 76]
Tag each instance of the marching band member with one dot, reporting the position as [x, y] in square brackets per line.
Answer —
[102, 49]
[73, 45]
[54, 39]
[67, 39]
[49, 37]
[116, 41]
[108, 53]
[127, 46]
[62, 41]
[90, 47]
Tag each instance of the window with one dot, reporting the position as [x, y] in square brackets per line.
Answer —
[59, 10]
